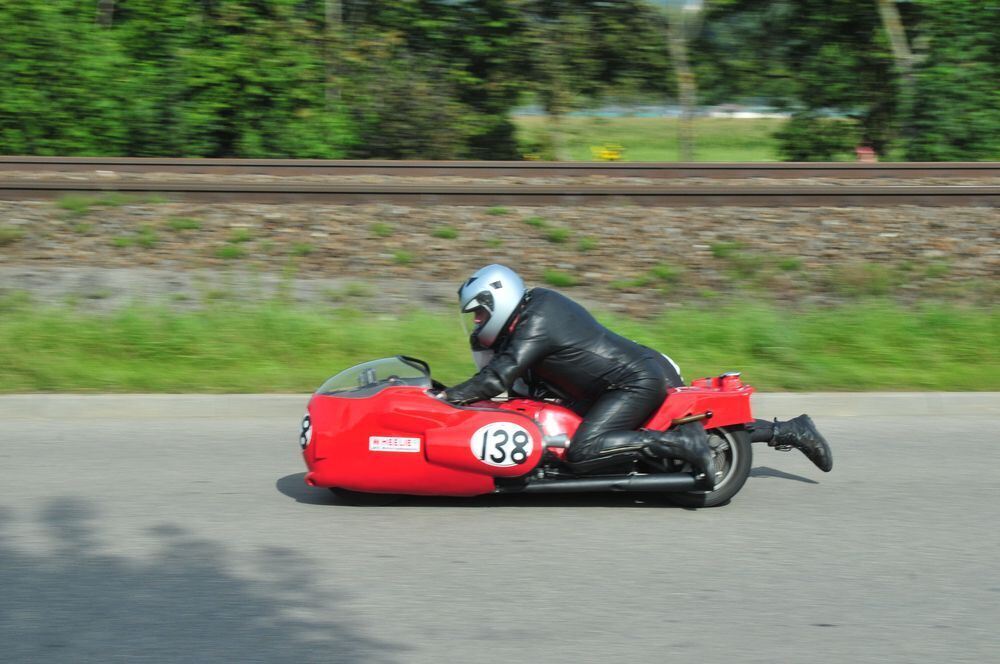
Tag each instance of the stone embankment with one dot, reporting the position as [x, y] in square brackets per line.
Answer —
[636, 260]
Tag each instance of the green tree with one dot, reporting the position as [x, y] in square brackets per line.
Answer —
[229, 78]
[684, 19]
[918, 78]
[819, 56]
[403, 105]
[59, 74]
[464, 53]
[956, 112]
[578, 51]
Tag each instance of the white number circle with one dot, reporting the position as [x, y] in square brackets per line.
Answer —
[501, 444]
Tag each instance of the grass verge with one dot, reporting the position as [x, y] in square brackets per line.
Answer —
[655, 139]
[269, 347]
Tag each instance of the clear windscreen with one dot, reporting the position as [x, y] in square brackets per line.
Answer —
[372, 377]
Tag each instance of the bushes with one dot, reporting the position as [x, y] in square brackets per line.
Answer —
[191, 78]
[808, 137]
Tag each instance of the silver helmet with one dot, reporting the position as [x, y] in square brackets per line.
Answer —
[488, 301]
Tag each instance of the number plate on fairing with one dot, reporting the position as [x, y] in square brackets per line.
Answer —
[393, 444]
[501, 444]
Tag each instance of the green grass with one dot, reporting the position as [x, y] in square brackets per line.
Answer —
[655, 139]
[10, 235]
[183, 224]
[790, 264]
[146, 238]
[381, 229]
[586, 244]
[670, 274]
[269, 347]
[497, 211]
[445, 233]
[724, 249]
[402, 257]
[240, 235]
[937, 270]
[559, 279]
[641, 281]
[348, 291]
[302, 249]
[661, 275]
[557, 235]
[76, 205]
[230, 252]
[356, 289]
[862, 279]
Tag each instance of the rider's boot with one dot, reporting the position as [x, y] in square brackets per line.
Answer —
[687, 442]
[608, 461]
[802, 434]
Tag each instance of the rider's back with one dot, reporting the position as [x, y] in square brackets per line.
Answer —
[580, 357]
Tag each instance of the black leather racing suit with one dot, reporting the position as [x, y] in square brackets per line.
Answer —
[554, 343]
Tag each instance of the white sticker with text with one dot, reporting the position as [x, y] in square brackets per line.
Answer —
[393, 444]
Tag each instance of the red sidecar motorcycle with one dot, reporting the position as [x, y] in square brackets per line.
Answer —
[376, 430]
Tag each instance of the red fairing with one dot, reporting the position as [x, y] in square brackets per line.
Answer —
[401, 440]
[726, 397]
[553, 419]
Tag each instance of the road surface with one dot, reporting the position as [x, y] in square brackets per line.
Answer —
[178, 529]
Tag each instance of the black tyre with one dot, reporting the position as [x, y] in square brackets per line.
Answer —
[362, 499]
[733, 459]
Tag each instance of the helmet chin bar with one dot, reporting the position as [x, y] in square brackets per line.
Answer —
[474, 342]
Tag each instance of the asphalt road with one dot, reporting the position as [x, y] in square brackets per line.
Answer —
[179, 530]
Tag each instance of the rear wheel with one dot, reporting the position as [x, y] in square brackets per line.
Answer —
[733, 458]
[362, 499]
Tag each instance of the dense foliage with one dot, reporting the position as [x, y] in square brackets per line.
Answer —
[439, 78]
[823, 58]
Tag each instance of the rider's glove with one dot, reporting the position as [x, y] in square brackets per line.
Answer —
[444, 396]
[440, 393]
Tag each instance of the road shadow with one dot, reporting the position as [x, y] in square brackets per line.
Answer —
[74, 602]
[294, 486]
[765, 471]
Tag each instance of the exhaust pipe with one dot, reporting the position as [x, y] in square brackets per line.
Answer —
[631, 483]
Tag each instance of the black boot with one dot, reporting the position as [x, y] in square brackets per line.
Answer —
[802, 434]
[608, 462]
[688, 442]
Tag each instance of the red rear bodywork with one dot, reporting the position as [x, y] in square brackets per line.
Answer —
[402, 440]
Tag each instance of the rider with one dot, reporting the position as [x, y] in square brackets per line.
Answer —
[557, 348]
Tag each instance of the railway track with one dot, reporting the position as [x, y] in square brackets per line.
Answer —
[521, 195]
[666, 170]
[48, 179]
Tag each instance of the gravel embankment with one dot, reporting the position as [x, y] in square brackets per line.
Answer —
[629, 259]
